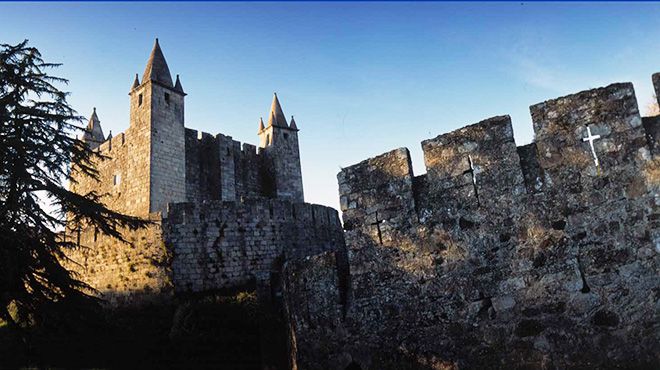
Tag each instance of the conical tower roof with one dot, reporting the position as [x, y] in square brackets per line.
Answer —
[157, 69]
[292, 124]
[93, 132]
[276, 117]
[136, 82]
[177, 85]
[261, 124]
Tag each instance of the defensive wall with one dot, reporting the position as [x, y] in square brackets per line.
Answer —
[539, 256]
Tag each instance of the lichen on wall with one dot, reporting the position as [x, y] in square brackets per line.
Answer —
[542, 256]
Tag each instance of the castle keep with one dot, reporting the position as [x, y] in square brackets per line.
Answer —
[224, 214]
[539, 256]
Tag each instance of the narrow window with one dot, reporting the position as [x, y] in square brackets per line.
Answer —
[286, 136]
[140, 100]
[116, 180]
[167, 98]
[96, 233]
[268, 139]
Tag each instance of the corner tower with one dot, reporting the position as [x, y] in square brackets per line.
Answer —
[157, 108]
[279, 141]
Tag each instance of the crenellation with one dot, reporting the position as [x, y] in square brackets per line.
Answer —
[530, 167]
[498, 254]
[219, 220]
[652, 129]
[495, 249]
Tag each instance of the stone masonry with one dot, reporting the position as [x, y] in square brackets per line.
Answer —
[542, 256]
[539, 256]
[228, 244]
[223, 214]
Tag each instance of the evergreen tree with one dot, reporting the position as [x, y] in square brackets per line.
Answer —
[39, 149]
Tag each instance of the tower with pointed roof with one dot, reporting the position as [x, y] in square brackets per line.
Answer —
[157, 123]
[279, 143]
[93, 135]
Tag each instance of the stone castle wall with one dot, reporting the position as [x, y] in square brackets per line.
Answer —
[218, 168]
[499, 256]
[123, 272]
[204, 246]
[220, 245]
[123, 172]
[152, 162]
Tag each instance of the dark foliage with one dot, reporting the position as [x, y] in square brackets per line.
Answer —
[39, 151]
[211, 332]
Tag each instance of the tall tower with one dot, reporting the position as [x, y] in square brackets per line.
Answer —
[279, 141]
[157, 107]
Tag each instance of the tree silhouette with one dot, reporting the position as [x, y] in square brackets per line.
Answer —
[39, 151]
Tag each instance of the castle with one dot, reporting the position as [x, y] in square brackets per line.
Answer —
[539, 256]
[224, 214]
[159, 161]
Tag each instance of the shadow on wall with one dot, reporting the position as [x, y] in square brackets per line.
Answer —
[554, 276]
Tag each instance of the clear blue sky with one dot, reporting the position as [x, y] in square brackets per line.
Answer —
[361, 78]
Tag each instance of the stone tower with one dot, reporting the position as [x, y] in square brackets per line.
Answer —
[156, 119]
[279, 141]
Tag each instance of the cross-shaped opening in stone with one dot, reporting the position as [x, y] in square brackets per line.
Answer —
[377, 224]
[473, 172]
[590, 138]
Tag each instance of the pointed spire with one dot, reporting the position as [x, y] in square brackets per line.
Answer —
[157, 69]
[110, 135]
[261, 124]
[177, 85]
[292, 124]
[93, 132]
[94, 118]
[276, 115]
[136, 83]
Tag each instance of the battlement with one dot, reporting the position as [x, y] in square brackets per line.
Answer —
[516, 250]
[220, 168]
[480, 166]
[115, 142]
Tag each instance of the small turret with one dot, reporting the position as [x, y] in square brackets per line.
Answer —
[292, 124]
[93, 132]
[136, 82]
[177, 85]
[279, 141]
[261, 125]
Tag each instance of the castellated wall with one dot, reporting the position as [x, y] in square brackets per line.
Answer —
[218, 168]
[123, 172]
[499, 256]
[220, 245]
